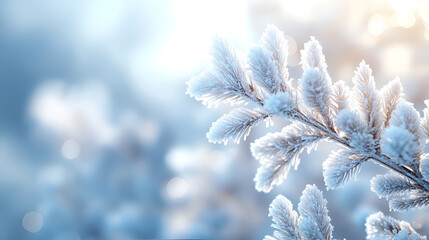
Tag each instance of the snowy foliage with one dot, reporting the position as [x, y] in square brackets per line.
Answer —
[316, 91]
[226, 82]
[340, 167]
[425, 121]
[277, 152]
[313, 221]
[391, 95]
[366, 98]
[370, 125]
[407, 117]
[264, 70]
[285, 219]
[379, 226]
[235, 125]
[391, 184]
[357, 132]
[313, 211]
[273, 40]
[424, 168]
[340, 94]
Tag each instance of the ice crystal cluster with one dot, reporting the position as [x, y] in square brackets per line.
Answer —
[381, 127]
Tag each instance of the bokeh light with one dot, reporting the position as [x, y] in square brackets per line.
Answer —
[405, 19]
[376, 25]
[177, 187]
[70, 149]
[32, 221]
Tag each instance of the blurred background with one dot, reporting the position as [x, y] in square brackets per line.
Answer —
[99, 141]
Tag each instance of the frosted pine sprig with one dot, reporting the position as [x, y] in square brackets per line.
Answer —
[398, 144]
[235, 125]
[391, 95]
[367, 99]
[379, 226]
[285, 219]
[391, 184]
[278, 152]
[340, 94]
[382, 128]
[341, 167]
[226, 82]
[378, 129]
[313, 221]
[273, 41]
[425, 121]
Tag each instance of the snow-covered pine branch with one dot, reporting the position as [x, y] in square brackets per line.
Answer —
[360, 132]
[313, 222]
[382, 127]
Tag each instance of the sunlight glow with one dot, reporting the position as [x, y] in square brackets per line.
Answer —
[405, 5]
[197, 22]
[405, 19]
[396, 59]
[376, 25]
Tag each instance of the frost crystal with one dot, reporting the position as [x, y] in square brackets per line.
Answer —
[398, 143]
[354, 127]
[277, 152]
[280, 104]
[407, 117]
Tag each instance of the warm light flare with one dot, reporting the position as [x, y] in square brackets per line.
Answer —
[376, 25]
